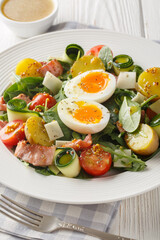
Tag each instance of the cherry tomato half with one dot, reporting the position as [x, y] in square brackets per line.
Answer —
[95, 160]
[40, 99]
[94, 50]
[12, 133]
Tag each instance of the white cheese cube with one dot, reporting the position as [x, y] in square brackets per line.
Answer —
[117, 162]
[54, 131]
[52, 83]
[155, 107]
[139, 98]
[126, 80]
[59, 143]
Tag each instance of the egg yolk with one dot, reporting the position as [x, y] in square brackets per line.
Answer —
[94, 82]
[88, 114]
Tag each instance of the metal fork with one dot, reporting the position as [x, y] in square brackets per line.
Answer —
[45, 223]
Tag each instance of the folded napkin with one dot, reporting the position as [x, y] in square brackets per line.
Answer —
[98, 216]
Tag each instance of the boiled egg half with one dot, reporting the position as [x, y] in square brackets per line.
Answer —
[83, 116]
[96, 85]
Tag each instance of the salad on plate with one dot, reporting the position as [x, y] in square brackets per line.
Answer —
[82, 114]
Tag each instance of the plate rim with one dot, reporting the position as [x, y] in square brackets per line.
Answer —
[73, 31]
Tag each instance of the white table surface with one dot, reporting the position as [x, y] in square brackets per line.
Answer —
[137, 217]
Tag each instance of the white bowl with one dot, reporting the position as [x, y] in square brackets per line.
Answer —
[30, 29]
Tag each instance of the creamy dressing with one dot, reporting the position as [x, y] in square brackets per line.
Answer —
[27, 10]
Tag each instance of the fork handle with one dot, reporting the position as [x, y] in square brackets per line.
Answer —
[91, 232]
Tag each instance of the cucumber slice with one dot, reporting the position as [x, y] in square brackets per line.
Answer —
[67, 162]
[122, 63]
[17, 109]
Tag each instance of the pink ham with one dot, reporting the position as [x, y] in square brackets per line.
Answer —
[79, 144]
[53, 67]
[23, 97]
[2, 124]
[3, 105]
[35, 154]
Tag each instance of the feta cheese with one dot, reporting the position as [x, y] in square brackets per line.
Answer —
[126, 80]
[52, 83]
[54, 130]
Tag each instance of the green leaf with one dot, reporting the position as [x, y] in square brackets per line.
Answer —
[136, 163]
[105, 54]
[51, 115]
[138, 70]
[4, 117]
[60, 95]
[29, 86]
[130, 115]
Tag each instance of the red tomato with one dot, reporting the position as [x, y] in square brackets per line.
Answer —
[94, 50]
[95, 160]
[12, 133]
[40, 99]
[150, 113]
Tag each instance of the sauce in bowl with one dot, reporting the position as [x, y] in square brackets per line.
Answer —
[27, 10]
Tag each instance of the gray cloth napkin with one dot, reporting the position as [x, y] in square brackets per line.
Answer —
[98, 216]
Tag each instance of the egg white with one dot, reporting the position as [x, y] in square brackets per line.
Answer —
[67, 106]
[72, 88]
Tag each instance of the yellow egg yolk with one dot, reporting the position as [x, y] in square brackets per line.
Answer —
[94, 82]
[88, 114]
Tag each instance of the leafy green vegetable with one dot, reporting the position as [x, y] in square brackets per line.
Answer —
[66, 66]
[44, 171]
[155, 121]
[138, 70]
[51, 115]
[136, 163]
[83, 175]
[130, 115]
[29, 86]
[105, 54]
[113, 108]
[60, 95]
[145, 103]
[76, 135]
[4, 117]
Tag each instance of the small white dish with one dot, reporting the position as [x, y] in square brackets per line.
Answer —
[30, 29]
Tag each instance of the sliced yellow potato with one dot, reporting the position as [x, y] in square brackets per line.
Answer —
[144, 141]
[28, 67]
[149, 82]
[36, 133]
[85, 64]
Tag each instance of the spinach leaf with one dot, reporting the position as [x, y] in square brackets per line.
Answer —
[105, 54]
[83, 175]
[130, 115]
[60, 95]
[4, 117]
[113, 108]
[138, 70]
[51, 115]
[43, 170]
[29, 86]
[136, 163]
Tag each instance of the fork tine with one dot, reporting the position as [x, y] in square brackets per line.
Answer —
[21, 206]
[18, 215]
[18, 220]
[21, 211]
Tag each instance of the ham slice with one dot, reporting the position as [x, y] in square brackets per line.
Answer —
[79, 144]
[3, 105]
[35, 154]
[23, 97]
[53, 67]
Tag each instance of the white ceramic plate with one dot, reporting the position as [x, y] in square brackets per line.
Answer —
[65, 190]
